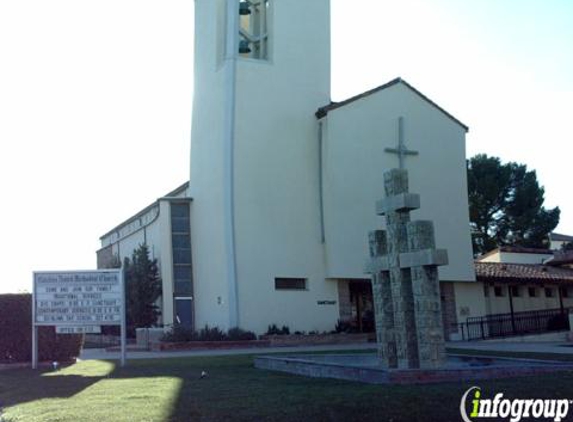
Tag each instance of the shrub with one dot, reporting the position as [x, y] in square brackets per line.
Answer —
[238, 334]
[274, 330]
[143, 288]
[211, 334]
[557, 322]
[16, 334]
[182, 334]
[179, 334]
[344, 327]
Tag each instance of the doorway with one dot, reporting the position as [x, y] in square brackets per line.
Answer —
[184, 312]
[362, 305]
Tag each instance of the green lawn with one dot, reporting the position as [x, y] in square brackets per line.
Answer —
[171, 390]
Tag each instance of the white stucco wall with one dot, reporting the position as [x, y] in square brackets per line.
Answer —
[276, 189]
[354, 164]
[275, 152]
[276, 172]
[493, 257]
[162, 241]
[470, 301]
[133, 236]
[208, 168]
[154, 229]
[517, 258]
[523, 302]
[557, 244]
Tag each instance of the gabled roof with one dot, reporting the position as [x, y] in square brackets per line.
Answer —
[560, 237]
[515, 273]
[323, 111]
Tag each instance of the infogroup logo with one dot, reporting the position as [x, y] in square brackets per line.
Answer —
[512, 409]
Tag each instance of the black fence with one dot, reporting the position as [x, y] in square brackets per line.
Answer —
[516, 324]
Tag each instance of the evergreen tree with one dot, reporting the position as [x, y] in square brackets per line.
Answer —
[143, 288]
[506, 205]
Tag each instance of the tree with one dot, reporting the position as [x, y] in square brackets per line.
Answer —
[143, 288]
[506, 205]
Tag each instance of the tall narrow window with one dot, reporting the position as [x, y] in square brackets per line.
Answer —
[182, 269]
[254, 29]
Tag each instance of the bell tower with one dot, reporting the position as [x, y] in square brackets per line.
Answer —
[254, 29]
[262, 69]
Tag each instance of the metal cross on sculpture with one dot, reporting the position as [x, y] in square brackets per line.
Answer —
[402, 151]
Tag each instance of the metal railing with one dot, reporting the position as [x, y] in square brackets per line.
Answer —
[516, 324]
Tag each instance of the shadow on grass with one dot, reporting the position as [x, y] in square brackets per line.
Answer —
[19, 386]
[234, 390]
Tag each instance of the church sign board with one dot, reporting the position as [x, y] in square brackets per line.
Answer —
[78, 302]
[88, 329]
[78, 298]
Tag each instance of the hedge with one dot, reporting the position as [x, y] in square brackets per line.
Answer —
[179, 334]
[16, 334]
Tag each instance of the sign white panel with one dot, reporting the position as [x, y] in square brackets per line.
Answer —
[78, 298]
[91, 329]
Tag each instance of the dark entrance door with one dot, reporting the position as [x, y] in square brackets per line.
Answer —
[362, 305]
[184, 312]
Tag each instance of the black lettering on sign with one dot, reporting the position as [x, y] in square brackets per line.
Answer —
[326, 302]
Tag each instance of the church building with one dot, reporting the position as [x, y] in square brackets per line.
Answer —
[273, 225]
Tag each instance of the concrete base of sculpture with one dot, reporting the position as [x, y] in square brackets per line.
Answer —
[366, 368]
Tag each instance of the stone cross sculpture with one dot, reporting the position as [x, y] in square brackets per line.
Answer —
[405, 284]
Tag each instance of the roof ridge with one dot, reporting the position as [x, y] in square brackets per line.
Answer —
[143, 211]
[323, 111]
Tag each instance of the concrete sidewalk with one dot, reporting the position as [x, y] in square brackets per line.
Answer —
[549, 347]
[102, 354]
[518, 346]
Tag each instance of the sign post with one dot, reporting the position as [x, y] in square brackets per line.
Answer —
[123, 320]
[34, 336]
[78, 302]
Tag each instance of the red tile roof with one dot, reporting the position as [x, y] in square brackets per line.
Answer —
[504, 272]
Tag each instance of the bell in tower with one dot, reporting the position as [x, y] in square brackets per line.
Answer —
[254, 29]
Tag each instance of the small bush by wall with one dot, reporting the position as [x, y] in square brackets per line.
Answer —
[16, 334]
[274, 330]
[182, 334]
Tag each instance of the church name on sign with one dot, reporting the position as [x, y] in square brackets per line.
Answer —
[81, 297]
[76, 278]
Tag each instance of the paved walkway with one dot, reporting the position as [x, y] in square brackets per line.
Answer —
[518, 346]
[548, 347]
[88, 354]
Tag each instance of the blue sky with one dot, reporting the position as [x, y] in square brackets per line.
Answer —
[95, 102]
